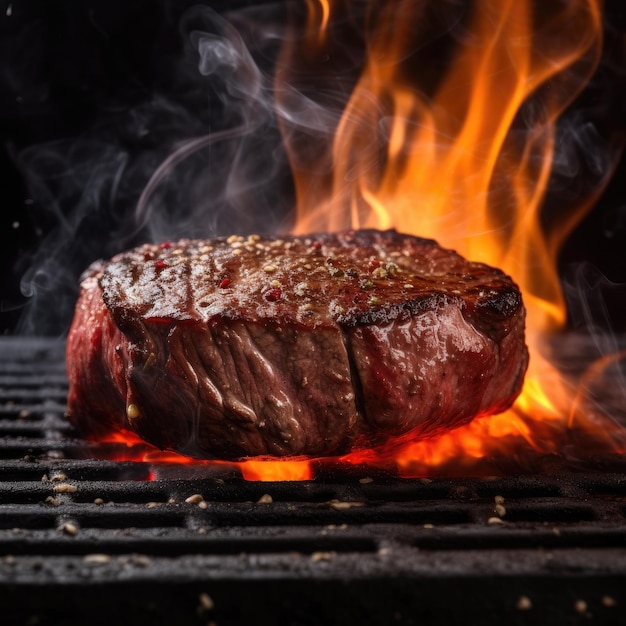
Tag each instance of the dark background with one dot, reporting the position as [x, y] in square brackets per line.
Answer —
[94, 69]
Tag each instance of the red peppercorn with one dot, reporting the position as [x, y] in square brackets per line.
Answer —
[160, 265]
[374, 263]
[165, 245]
[273, 294]
[148, 256]
[316, 245]
[225, 282]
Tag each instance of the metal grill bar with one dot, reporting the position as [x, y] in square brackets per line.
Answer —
[85, 536]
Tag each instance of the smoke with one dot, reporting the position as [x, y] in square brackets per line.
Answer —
[202, 153]
[70, 193]
[594, 350]
[203, 162]
[589, 295]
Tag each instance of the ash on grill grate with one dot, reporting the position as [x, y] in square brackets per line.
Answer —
[85, 536]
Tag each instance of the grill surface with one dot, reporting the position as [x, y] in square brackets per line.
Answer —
[86, 538]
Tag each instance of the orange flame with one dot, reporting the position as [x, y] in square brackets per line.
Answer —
[469, 166]
[125, 445]
[276, 470]
[318, 12]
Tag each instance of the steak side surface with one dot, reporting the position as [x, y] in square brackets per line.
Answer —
[317, 345]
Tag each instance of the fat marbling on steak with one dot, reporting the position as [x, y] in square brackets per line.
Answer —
[299, 345]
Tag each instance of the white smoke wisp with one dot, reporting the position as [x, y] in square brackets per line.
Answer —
[208, 158]
[206, 162]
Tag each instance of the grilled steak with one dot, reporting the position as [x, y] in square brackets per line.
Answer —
[313, 345]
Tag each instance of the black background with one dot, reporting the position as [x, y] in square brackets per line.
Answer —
[72, 68]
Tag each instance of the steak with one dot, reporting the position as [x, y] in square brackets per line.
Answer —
[300, 345]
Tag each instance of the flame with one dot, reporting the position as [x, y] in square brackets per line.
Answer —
[458, 168]
[469, 166]
[277, 470]
[125, 445]
[318, 12]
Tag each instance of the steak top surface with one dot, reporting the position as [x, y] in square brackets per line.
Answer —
[350, 278]
[298, 345]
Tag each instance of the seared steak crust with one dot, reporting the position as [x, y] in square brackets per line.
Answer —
[312, 345]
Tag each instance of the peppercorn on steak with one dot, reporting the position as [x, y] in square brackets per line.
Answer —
[318, 345]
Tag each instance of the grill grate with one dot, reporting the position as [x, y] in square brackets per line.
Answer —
[82, 535]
